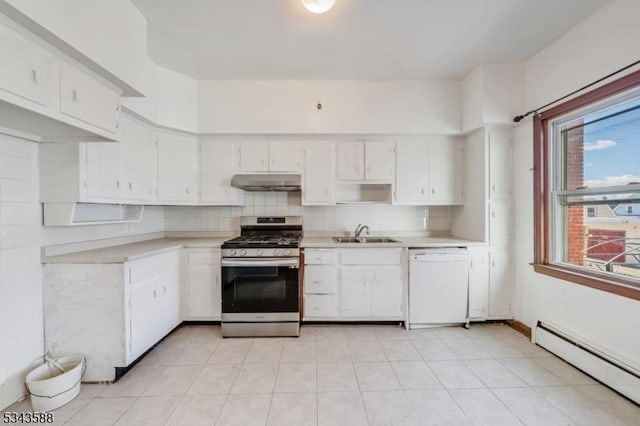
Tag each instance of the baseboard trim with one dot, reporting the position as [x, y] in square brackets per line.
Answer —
[520, 327]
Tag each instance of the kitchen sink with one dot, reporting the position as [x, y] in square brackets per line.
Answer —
[364, 240]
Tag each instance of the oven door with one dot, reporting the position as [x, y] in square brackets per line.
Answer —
[258, 286]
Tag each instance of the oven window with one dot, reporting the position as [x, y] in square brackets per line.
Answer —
[259, 289]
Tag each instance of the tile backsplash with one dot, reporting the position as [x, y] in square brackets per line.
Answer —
[340, 218]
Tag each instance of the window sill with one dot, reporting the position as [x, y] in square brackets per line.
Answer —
[617, 285]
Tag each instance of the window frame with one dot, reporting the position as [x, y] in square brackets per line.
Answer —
[542, 186]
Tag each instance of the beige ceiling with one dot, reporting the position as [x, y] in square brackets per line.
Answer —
[357, 39]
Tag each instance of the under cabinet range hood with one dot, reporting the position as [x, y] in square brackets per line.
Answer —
[267, 182]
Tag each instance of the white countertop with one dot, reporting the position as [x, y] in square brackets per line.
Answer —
[403, 241]
[126, 252]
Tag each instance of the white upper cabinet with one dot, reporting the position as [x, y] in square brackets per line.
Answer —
[217, 165]
[350, 160]
[365, 161]
[263, 156]
[412, 174]
[140, 151]
[104, 170]
[284, 157]
[177, 168]
[500, 164]
[26, 69]
[86, 99]
[378, 160]
[445, 172]
[318, 184]
[254, 156]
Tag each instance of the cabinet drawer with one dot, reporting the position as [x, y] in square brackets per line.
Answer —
[374, 256]
[319, 256]
[27, 69]
[87, 99]
[204, 257]
[320, 306]
[320, 279]
[152, 266]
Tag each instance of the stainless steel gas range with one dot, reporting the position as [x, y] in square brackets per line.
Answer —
[261, 278]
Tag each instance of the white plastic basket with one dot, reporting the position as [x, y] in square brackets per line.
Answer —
[56, 382]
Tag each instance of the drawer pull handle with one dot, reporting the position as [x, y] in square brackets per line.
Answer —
[34, 76]
[74, 96]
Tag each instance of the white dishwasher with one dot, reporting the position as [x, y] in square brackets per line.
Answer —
[438, 286]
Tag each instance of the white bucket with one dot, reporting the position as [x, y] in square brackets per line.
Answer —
[51, 388]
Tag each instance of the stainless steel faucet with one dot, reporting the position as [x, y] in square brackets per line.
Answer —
[359, 230]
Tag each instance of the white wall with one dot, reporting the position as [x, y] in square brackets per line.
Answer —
[599, 45]
[21, 330]
[171, 99]
[381, 218]
[349, 107]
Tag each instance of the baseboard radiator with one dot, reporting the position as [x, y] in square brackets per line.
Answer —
[604, 367]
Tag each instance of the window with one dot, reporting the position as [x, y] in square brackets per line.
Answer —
[587, 178]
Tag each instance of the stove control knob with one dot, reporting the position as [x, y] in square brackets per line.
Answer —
[259, 253]
[232, 252]
[243, 252]
[287, 252]
[276, 252]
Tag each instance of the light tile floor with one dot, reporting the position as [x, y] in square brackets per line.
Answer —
[350, 375]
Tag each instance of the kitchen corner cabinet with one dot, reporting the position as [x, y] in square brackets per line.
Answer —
[217, 165]
[429, 172]
[102, 172]
[365, 161]
[261, 156]
[177, 168]
[201, 292]
[318, 179]
[112, 313]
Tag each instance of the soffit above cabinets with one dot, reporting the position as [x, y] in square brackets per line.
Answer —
[355, 40]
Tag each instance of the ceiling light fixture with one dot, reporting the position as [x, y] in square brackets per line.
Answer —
[318, 6]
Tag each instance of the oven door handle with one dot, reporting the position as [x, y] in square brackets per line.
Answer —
[260, 262]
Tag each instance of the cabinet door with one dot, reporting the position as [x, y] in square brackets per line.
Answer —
[354, 292]
[387, 293]
[169, 285]
[500, 164]
[254, 156]
[284, 157]
[87, 99]
[478, 283]
[104, 170]
[500, 215]
[145, 307]
[26, 68]
[501, 286]
[204, 292]
[320, 279]
[177, 168]
[140, 160]
[445, 174]
[350, 160]
[412, 173]
[218, 164]
[318, 185]
[379, 161]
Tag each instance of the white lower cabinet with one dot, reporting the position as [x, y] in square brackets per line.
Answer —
[501, 285]
[365, 284]
[201, 290]
[478, 283]
[112, 313]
